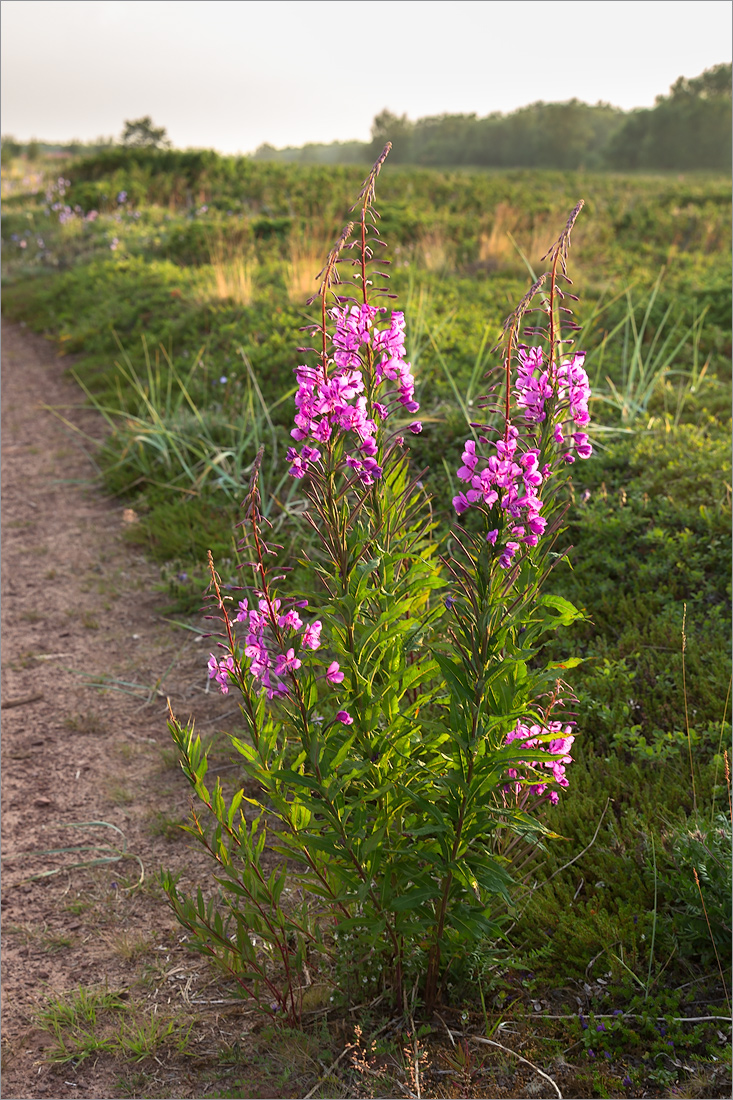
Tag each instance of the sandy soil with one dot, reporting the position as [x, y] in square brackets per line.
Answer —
[78, 609]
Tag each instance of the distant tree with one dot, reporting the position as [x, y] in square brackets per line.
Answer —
[713, 83]
[33, 149]
[9, 148]
[689, 128]
[397, 129]
[265, 152]
[141, 133]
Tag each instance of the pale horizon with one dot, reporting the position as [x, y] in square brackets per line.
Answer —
[234, 74]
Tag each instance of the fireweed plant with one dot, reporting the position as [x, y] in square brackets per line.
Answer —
[402, 737]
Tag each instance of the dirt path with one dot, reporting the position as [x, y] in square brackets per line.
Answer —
[78, 606]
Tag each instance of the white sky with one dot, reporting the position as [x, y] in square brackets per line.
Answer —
[231, 74]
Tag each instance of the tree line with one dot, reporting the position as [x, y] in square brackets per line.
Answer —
[687, 129]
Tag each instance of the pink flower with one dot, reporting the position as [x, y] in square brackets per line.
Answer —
[461, 503]
[291, 620]
[507, 554]
[583, 448]
[220, 671]
[333, 673]
[345, 718]
[287, 663]
[312, 635]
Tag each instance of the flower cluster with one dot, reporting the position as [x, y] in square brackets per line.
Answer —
[265, 624]
[330, 403]
[559, 746]
[570, 384]
[266, 665]
[511, 479]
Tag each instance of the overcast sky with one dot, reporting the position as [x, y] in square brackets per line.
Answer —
[232, 74]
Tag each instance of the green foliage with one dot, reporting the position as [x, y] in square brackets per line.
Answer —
[89, 1022]
[9, 149]
[652, 536]
[700, 914]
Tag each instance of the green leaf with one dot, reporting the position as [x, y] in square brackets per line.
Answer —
[413, 899]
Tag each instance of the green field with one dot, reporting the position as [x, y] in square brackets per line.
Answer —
[180, 283]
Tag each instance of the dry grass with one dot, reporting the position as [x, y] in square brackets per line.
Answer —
[231, 276]
[307, 257]
[435, 252]
[496, 245]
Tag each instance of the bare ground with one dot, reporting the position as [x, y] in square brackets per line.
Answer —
[78, 610]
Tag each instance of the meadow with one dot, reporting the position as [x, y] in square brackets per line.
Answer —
[180, 284]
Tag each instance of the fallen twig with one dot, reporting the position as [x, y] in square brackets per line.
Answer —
[21, 701]
[508, 1050]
